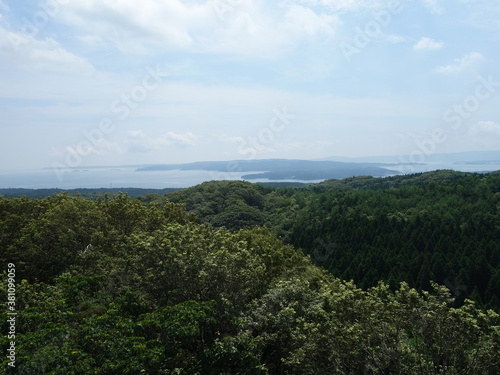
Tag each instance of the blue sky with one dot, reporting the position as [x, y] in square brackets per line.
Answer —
[109, 82]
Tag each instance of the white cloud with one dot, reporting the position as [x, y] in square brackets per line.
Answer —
[304, 21]
[345, 5]
[434, 6]
[184, 139]
[139, 142]
[138, 27]
[461, 64]
[483, 14]
[485, 128]
[25, 52]
[428, 44]
[243, 27]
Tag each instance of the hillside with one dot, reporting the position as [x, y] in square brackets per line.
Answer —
[114, 286]
[441, 226]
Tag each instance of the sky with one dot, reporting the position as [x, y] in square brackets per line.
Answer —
[122, 82]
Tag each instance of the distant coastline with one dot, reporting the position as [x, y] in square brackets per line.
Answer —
[173, 176]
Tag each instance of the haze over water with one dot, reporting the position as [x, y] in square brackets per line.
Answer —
[128, 177]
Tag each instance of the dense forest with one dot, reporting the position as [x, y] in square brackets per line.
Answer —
[223, 278]
[442, 226]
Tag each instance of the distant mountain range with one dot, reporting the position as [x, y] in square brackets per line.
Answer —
[284, 169]
[467, 157]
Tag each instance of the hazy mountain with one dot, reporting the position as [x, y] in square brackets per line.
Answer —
[475, 157]
[283, 169]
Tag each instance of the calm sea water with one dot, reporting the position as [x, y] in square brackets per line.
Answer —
[110, 178]
[128, 177]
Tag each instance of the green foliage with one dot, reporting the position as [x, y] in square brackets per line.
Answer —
[44, 237]
[440, 226]
[120, 286]
[85, 192]
[232, 204]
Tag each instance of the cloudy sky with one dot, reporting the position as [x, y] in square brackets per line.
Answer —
[109, 82]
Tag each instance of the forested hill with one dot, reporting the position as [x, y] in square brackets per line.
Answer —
[442, 226]
[118, 286]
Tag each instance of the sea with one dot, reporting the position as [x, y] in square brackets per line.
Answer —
[129, 177]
